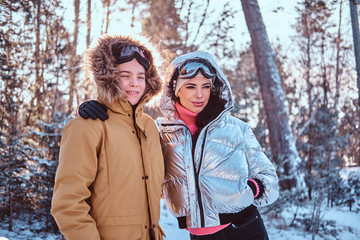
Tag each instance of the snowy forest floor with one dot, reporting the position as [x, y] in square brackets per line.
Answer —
[339, 223]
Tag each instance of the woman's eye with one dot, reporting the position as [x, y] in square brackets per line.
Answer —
[124, 76]
[207, 86]
[190, 87]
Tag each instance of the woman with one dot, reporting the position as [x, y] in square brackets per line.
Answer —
[216, 174]
[215, 171]
[108, 182]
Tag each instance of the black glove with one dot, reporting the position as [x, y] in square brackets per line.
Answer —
[93, 109]
[257, 189]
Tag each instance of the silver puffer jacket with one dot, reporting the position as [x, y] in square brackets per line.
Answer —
[212, 180]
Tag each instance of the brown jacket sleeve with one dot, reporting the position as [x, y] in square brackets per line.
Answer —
[77, 170]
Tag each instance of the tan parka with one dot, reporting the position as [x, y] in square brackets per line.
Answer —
[108, 182]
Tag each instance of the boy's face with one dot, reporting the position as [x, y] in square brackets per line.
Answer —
[132, 80]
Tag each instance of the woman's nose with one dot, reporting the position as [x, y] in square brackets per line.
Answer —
[199, 92]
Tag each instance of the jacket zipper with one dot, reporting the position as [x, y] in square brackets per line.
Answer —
[202, 215]
[201, 208]
[145, 179]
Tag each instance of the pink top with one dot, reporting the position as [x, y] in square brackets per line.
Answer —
[206, 230]
[189, 119]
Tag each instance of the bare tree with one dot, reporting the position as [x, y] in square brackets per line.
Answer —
[338, 49]
[39, 80]
[74, 58]
[163, 24]
[106, 18]
[356, 38]
[282, 143]
[88, 23]
[86, 83]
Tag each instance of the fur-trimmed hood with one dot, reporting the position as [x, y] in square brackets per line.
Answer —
[168, 105]
[101, 63]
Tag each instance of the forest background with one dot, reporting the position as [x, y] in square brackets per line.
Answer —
[299, 92]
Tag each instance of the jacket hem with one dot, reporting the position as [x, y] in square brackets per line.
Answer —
[224, 217]
[234, 217]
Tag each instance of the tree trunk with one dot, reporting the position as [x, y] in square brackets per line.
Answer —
[88, 23]
[39, 81]
[11, 212]
[73, 58]
[337, 71]
[88, 41]
[107, 2]
[356, 38]
[308, 32]
[325, 82]
[282, 142]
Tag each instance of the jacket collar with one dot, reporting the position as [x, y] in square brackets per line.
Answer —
[122, 106]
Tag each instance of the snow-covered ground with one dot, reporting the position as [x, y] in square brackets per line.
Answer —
[344, 224]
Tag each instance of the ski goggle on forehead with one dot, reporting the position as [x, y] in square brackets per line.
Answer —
[124, 53]
[190, 69]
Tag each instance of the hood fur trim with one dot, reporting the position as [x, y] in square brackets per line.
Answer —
[100, 62]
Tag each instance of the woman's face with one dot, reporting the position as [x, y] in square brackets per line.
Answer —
[195, 93]
[132, 80]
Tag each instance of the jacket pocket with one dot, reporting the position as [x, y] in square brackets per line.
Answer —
[245, 223]
[121, 232]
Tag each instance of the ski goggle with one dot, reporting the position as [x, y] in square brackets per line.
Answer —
[125, 53]
[190, 69]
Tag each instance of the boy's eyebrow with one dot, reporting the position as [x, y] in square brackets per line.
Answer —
[126, 71]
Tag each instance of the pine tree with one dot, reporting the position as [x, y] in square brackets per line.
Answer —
[320, 142]
[43, 164]
[13, 159]
[29, 93]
